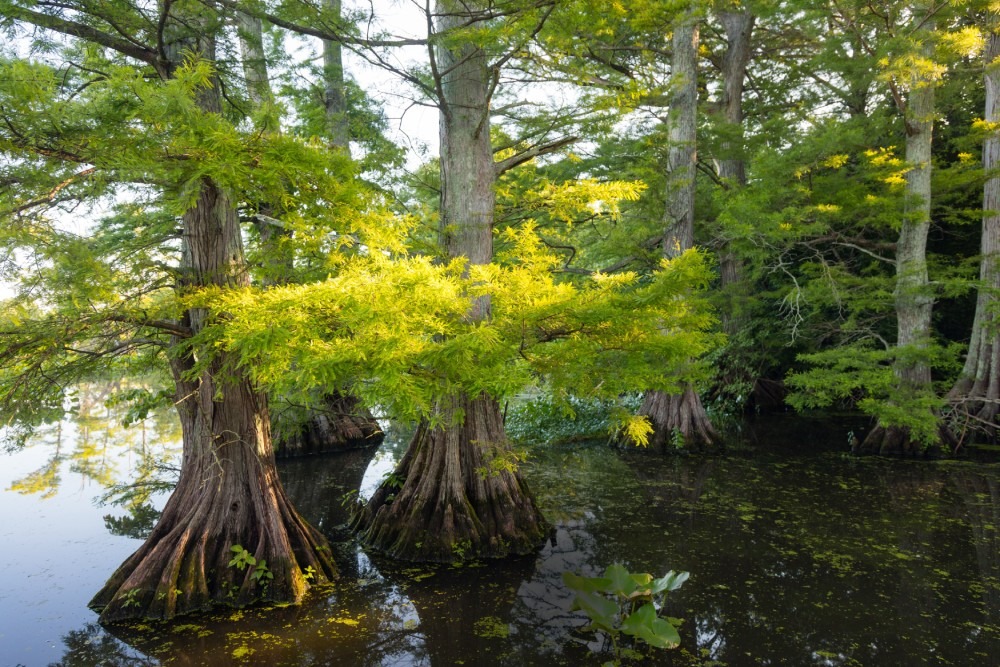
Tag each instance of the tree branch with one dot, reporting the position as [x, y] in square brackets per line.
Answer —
[165, 325]
[74, 29]
[531, 153]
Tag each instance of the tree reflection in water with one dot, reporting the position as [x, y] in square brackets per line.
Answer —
[797, 557]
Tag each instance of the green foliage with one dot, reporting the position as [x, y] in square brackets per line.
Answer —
[243, 559]
[624, 603]
[554, 419]
[863, 376]
[395, 329]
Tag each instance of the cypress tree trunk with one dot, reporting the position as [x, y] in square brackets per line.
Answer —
[442, 503]
[334, 97]
[913, 299]
[228, 493]
[681, 414]
[737, 372]
[732, 169]
[975, 398]
[338, 421]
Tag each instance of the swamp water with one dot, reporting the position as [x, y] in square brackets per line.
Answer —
[799, 555]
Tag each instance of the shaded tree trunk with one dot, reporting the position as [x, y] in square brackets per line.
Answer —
[913, 299]
[975, 398]
[228, 493]
[732, 168]
[680, 418]
[444, 502]
[741, 369]
[338, 421]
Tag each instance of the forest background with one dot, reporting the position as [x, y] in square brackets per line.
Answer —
[719, 207]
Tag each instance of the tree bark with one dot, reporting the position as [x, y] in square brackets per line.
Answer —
[681, 414]
[334, 97]
[445, 502]
[975, 398]
[340, 422]
[228, 493]
[913, 299]
[737, 372]
[732, 167]
[450, 506]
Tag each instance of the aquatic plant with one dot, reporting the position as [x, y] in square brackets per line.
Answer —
[625, 603]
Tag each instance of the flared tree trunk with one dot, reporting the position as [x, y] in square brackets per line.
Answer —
[975, 398]
[913, 299]
[452, 504]
[338, 421]
[454, 495]
[679, 421]
[680, 418]
[228, 493]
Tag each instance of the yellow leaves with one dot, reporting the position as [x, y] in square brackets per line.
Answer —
[637, 429]
[571, 201]
[836, 161]
[397, 330]
[965, 42]
[965, 157]
[981, 125]
[894, 168]
[827, 208]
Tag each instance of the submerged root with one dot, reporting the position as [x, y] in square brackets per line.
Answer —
[679, 421]
[455, 495]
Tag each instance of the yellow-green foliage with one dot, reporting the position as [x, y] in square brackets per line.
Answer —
[396, 329]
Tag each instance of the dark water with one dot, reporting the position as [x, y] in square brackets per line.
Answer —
[799, 554]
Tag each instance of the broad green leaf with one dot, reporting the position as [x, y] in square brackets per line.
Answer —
[644, 624]
[671, 581]
[590, 584]
[620, 580]
[598, 608]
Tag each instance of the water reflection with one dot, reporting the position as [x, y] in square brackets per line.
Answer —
[797, 556]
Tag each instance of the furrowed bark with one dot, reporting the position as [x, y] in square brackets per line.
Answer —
[228, 493]
[445, 502]
[913, 298]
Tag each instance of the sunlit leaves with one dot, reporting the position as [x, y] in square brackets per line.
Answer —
[396, 330]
